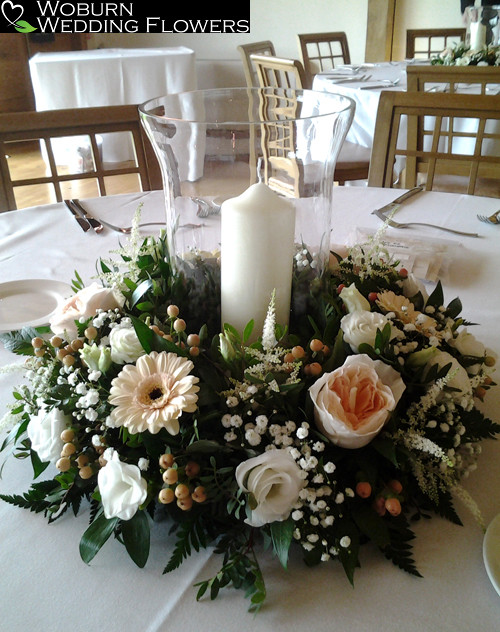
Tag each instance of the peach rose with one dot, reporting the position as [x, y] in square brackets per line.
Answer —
[353, 403]
[83, 304]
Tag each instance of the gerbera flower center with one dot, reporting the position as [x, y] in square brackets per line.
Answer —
[155, 390]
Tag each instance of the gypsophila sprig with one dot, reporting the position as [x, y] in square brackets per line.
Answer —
[323, 437]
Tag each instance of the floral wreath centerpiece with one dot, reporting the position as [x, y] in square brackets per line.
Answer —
[338, 416]
[341, 432]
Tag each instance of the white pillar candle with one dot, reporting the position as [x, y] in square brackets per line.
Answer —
[257, 249]
[477, 35]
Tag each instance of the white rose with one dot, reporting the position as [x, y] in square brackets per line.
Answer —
[458, 375]
[125, 345]
[353, 403]
[361, 326]
[466, 344]
[83, 304]
[353, 299]
[122, 488]
[274, 480]
[44, 431]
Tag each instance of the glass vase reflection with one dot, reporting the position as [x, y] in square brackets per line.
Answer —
[483, 26]
[213, 147]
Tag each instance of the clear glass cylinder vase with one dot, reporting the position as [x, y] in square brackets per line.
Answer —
[248, 177]
[483, 26]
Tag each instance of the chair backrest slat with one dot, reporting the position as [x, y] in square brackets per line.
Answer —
[425, 43]
[322, 51]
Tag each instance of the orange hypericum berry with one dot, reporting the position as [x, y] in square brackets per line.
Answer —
[193, 340]
[185, 503]
[182, 491]
[363, 489]
[173, 310]
[315, 369]
[166, 496]
[393, 506]
[199, 495]
[166, 460]
[170, 476]
[192, 469]
[298, 352]
[395, 486]
[315, 345]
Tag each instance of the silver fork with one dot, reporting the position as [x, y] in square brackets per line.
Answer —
[492, 219]
[394, 224]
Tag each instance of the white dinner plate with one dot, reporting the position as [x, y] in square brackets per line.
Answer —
[30, 302]
[491, 552]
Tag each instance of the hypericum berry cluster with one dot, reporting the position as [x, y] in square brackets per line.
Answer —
[177, 328]
[180, 483]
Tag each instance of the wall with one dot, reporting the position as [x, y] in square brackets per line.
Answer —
[218, 60]
[278, 20]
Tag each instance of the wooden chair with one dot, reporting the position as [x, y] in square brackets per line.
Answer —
[40, 130]
[450, 142]
[425, 43]
[323, 51]
[278, 72]
[481, 79]
[354, 160]
[265, 47]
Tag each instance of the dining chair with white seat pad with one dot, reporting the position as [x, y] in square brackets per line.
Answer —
[354, 160]
[448, 142]
[80, 128]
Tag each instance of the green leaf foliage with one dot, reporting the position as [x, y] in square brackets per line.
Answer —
[96, 535]
[136, 537]
[282, 534]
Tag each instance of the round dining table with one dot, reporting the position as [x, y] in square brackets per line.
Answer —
[46, 587]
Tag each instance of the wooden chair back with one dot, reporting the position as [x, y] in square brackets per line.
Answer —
[265, 47]
[323, 51]
[450, 142]
[470, 79]
[39, 130]
[279, 72]
[424, 43]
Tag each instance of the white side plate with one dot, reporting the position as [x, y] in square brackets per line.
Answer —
[491, 552]
[30, 302]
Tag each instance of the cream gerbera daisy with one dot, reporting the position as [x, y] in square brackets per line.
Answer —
[153, 393]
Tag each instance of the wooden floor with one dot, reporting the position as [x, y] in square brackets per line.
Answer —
[26, 161]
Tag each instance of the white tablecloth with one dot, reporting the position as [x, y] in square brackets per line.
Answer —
[109, 76]
[46, 587]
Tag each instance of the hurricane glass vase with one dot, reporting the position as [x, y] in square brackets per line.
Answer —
[248, 177]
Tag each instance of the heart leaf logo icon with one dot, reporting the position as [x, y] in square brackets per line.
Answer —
[12, 13]
[24, 27]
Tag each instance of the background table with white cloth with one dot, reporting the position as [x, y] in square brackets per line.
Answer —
[109, 76]
[45, 586]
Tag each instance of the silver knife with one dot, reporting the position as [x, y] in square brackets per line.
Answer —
[392, 205]
[82, 212]
[84, 224]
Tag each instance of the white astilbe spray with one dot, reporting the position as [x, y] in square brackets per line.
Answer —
[268, 336]
[470, 503]
[130, 253]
